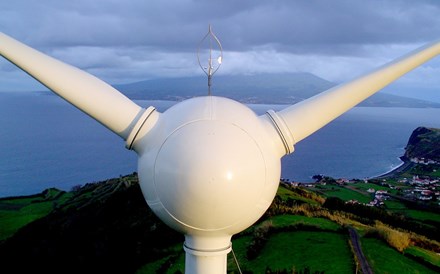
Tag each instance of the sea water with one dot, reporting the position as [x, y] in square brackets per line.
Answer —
[45, 142]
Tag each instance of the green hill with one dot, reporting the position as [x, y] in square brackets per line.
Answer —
[103, 227]
[424, 143]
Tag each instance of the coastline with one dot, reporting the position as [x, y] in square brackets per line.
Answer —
[403, 167]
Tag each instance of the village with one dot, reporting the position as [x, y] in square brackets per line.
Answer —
[422, 189]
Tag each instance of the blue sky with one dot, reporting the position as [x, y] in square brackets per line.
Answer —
[127, 41]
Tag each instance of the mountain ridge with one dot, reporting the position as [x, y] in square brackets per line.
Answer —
[281, 88]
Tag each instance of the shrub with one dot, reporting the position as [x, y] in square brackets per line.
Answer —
[396, 239]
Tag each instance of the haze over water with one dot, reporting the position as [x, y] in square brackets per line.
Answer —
[45, 142]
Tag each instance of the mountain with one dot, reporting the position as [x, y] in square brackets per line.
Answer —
[263, 88]
[285, 88]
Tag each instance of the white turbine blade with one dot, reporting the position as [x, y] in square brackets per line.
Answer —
[298, 121]
[88, 93]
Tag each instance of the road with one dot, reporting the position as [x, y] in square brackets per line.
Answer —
[354, 237]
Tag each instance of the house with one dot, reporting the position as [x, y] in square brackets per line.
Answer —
[381, 195]
[371, 190]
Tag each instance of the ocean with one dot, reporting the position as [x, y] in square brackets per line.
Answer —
[45, 142]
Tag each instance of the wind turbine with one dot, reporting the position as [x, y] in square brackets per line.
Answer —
[209, 167]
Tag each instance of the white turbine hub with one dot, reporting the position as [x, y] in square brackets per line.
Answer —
[214, 170]
[211, 181]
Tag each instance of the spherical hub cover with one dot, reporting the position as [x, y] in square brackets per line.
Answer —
[209, 174]
[209, 167]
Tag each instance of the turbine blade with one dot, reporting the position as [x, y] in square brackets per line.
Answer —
[306, 117]
[83, 90]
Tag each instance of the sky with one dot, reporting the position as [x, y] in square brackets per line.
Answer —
[134, 40]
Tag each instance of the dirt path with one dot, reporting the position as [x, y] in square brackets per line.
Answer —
[354, 237]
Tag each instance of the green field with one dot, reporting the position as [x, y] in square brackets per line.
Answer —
[419, 215]
[384, 259]
[366, 186]
[344, 193]
[285, 194]
[289, 220]
[172, 263]
[429, 256]
[422, 215]
[18, 212]
[308, 243]
[395, 206]
[301, 249]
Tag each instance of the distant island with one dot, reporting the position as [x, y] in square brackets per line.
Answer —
[384, 225]
[281, 88]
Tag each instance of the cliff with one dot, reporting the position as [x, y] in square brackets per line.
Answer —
[424, 143]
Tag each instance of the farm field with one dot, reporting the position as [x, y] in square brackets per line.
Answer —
[383, 259]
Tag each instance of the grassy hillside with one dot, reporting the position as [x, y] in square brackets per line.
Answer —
[108, 227]
[20, 211]
[101, 227]
[385, 259]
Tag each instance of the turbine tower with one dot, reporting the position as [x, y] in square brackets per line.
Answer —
[208, 167]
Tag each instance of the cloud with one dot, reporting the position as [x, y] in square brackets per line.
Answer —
[122, 41]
